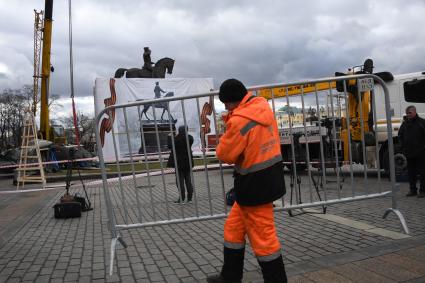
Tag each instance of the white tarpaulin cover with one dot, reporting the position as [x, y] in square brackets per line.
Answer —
[119, 91]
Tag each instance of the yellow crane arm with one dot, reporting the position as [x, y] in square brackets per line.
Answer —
[295, 90]
[45, 71]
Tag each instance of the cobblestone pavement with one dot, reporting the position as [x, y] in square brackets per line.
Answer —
[36, 247]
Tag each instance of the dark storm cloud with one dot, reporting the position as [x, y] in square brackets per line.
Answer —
[258, 42]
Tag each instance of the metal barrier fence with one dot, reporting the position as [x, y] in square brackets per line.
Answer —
[330, 146]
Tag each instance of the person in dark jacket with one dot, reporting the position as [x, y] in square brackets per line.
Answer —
[412, 138]
[184, 163]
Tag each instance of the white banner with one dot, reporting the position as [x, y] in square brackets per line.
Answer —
[119, 91]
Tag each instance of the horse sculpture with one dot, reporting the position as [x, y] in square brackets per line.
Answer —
[163, 105]
[163, 65]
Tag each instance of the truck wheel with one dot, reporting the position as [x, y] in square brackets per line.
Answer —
[400, 162]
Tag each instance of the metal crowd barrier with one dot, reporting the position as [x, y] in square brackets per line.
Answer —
[144, 192]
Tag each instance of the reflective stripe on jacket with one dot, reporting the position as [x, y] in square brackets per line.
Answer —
[251, 142]
[258, 223]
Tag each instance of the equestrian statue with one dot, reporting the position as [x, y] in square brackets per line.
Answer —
[149, 69]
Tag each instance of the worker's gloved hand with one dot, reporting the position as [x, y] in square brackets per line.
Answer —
[226, 115]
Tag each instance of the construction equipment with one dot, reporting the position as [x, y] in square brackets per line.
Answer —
[45, 70]
[359, 111]
[42, 36]
[404, 90]
[30, 157]
[294, 90]
[38, 38]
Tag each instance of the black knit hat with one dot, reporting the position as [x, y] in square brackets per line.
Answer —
[232, 90]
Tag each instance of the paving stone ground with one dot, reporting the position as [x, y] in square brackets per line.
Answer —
[36, 247]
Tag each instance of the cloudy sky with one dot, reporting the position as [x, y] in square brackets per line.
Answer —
[258, 42]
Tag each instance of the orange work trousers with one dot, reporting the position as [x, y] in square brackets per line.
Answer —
[257, 222]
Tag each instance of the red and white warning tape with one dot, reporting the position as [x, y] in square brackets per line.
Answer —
[50, 162]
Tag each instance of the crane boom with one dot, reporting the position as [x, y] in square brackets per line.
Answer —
[295, 90]
[45, 70]
[38, 33]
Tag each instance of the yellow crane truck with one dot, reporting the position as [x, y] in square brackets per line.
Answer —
[404, 90]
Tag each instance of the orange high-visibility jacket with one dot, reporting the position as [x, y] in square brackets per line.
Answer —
[252, 143]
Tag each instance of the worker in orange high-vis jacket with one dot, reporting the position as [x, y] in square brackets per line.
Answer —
[251, 142]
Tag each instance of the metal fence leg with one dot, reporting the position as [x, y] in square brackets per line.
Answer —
[111, 264]
[400, 217]
[113, 247]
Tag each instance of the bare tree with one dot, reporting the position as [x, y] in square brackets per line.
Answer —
[13, 103]
[86, 129]
[53, 102]
[12, 108]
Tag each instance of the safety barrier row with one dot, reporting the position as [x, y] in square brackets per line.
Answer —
[332, 157]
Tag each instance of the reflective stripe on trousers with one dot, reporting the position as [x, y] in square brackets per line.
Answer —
[258, 223]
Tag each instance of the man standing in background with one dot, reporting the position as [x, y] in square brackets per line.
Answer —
[184, 163]
[412, 138]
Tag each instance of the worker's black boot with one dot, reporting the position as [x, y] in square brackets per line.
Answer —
[232, 270]
[273, 271]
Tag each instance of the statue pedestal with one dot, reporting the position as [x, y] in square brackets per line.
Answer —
[151, 141]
